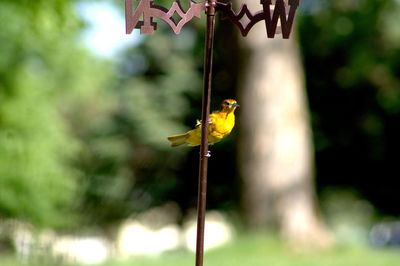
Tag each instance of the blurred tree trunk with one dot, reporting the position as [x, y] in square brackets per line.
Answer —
[276, 149]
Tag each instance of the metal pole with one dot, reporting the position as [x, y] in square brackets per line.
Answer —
[204, 153]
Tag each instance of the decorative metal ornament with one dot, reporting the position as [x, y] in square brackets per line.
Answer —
[285, 10]
[149, 10]
[272, 11]
[142, 18]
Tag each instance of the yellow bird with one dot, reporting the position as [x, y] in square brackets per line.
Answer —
[221, 124]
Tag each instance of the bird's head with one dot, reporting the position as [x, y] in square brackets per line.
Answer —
[229, 105]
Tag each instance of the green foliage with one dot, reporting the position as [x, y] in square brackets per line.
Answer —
[352, 59]
[44, 77]
[159, 94]
[132, 167]
[157, 100]
[79, 133]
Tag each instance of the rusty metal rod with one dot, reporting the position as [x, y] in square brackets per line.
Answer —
[204, 153]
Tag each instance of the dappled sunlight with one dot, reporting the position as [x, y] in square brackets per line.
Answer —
[137, 239]
[85, 250]
[218, 231]
[151, 233]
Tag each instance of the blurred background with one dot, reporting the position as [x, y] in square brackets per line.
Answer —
[309, 175]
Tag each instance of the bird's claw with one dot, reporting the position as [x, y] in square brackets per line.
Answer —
[208, 154]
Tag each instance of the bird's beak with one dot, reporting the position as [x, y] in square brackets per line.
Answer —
[235, 105]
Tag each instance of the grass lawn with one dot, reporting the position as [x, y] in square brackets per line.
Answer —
[259, 250]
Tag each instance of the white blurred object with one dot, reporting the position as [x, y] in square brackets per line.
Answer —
[385, 234]
[152, 233]
[68, 249]
[135, 238]
[23, 239]
[218, 231]
[86, 250]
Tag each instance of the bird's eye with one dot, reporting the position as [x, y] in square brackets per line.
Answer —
[227, 103]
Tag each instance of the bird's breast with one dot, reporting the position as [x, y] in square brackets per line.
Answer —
[223, 123]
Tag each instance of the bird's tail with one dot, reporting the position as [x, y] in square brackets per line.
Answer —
[178, 140]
